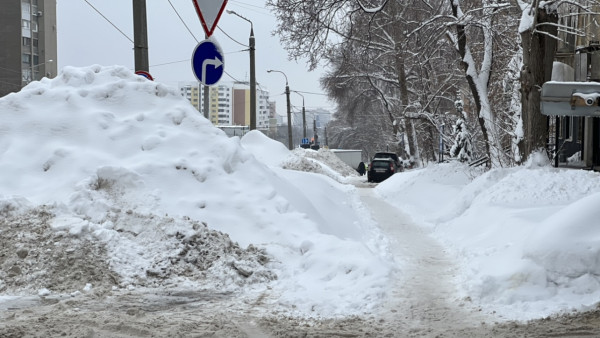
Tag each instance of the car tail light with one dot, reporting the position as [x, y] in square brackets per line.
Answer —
[391, 166]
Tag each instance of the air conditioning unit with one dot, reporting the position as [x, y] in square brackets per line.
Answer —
[38, 13]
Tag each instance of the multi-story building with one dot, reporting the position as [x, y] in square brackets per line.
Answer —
[193, 92]
[229, 103]
[219, 101]
[28, 48]
[241, 106]
[221, 105]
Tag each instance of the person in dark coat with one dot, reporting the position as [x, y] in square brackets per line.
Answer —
[361, 168]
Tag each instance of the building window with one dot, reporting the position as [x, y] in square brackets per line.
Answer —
[26, 58]
[25, 10]
[26, 41]
[26, 75]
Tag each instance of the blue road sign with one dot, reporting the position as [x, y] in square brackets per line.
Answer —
[305, 141]
[208, 62]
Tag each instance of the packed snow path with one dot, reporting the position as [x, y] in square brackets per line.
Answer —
[423, 300]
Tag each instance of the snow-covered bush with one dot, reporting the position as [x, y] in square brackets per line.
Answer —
[462, 148]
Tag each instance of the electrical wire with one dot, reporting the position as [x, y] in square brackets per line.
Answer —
[250, 7]
[170, 63]
[299, 91]
[105, 18]
[10, 70]
[232, 39]
[231, 76]
[239, 51]
[11, 84]
[180, 18]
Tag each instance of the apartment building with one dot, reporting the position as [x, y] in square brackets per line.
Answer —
[219, 101]
[28, 47]
[229, 103]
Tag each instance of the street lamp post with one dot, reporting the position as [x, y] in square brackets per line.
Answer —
[303, 116]
[289, 111]
[251, 44]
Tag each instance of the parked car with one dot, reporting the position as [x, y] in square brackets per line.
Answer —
[380, 169]
[393, 156]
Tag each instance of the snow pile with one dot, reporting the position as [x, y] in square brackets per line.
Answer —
[104, 167]
[527, 238]
[274, 153]
[322, 161]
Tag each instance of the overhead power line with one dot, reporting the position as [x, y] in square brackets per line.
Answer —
[232, 39]
[170, 63]
[251, 7]
[232, 77]
[105, 18]
[180, 18]
[299, 91]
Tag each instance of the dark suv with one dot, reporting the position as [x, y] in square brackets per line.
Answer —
[393, 156]
[380, 169]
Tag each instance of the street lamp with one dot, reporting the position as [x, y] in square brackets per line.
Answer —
[251, 44]
[289, 111]
[303, 115]
[33, 69]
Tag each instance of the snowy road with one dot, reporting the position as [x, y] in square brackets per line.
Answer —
[424, 296]
[423, 303]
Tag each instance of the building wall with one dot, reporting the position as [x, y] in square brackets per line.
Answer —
[48, 49]
[28, 46]
[229, 104]
[213, 105]
[10, 47]
[224, 110]
[239, 107]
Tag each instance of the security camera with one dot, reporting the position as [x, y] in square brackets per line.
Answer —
[590, 101]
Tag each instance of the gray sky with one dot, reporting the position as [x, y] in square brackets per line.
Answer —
[85, 38]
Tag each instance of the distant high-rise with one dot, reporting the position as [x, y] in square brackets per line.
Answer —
[28, 48]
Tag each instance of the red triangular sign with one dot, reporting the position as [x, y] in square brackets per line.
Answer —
[209, 12]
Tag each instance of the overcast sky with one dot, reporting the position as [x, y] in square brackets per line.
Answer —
[86, 38]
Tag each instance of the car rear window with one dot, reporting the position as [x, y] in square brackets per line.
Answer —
[387, 155]
[380, 164]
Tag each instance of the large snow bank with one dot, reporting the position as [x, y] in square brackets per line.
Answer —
[527, 238]
[129, 166]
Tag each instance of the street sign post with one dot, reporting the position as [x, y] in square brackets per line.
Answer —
[208, 62]
[209, 12]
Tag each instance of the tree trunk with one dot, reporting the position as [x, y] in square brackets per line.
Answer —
[462, 49]
[400, 39]
[538, 57]
[400, 70]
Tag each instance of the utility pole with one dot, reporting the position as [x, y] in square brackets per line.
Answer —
[315, 132]
[289, 108]
[251, 45]
[140, 35]
[205, 97]
[303, 119]
[289, 115]
[252, 81]
[303, 115]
